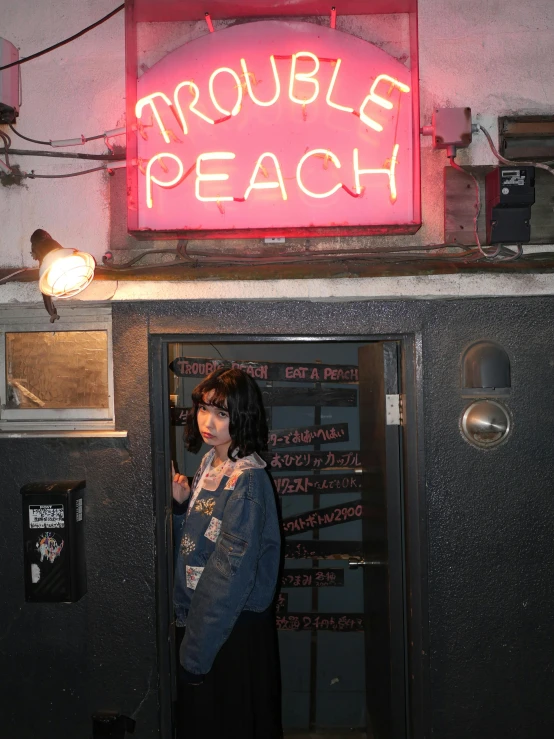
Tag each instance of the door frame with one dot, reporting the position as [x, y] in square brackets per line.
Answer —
[416, 632]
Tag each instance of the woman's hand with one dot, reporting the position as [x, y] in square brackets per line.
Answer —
[180, 486]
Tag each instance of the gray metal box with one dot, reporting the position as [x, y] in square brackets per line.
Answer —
[9, 82]
[451, 127]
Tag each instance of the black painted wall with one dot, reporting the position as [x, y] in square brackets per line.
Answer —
[62, 662]
[490, 518]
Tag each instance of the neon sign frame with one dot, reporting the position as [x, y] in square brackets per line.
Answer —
[189, 105]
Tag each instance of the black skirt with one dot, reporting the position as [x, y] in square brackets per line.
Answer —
[240, 697]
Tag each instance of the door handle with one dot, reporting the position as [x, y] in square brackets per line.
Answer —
[355, 562]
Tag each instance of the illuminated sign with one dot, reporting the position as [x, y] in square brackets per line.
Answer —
[275, 125]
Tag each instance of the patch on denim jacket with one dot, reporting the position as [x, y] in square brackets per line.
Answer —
[232, 481]
[205, 506]
[187, 545]
[212, 532]
[193, 575]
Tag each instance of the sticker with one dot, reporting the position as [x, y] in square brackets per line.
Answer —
[513, 177]
[232, 481]
[35, 573]
[79, 509]
[48, 547]
[46, 516]
[205, 506]
[212, 532]
[193, 576]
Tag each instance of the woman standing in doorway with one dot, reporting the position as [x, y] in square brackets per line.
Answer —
[227, 562]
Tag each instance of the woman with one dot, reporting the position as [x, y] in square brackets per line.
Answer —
[227, 563]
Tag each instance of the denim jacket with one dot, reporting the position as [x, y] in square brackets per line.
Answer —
[227, 557]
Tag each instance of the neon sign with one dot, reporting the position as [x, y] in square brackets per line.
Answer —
[275, 125]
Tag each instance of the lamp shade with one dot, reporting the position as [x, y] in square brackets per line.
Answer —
[65, 272]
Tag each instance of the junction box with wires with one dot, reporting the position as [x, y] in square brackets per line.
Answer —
[509, 193]
[451, 129]
[9, 83]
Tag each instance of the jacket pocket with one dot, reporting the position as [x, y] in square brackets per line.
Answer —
[229, 551]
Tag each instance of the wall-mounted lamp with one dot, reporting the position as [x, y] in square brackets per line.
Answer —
[63, 272]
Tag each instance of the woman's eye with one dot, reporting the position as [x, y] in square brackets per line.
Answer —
[222, 414]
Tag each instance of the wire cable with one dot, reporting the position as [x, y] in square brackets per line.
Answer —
[7, 278]
[70, 142]
[127, 265]
[33, 141]
[468, 255]
[64, 155]
[331, 254]
[502, 159]
[7, 142]
[65, 41]
[7, 139]
[511, 256]
[109, 164]
[31, 175]
[217, 350]
[320, 255]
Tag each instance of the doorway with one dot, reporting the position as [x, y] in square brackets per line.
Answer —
[336, 456]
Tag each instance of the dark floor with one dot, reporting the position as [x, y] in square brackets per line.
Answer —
[326, 734]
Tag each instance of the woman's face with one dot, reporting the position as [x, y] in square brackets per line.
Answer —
[213, 423]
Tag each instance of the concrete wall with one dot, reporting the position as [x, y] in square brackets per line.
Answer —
[63, 662]
[493, 56]
[489, 517]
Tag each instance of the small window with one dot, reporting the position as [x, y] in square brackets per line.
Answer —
[56, 376]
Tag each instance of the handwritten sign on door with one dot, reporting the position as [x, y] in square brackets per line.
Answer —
[199, 367]
[314, 460]
[323, 518]
[315, 577]
[308, 485]
[321, 622]
[306, 435]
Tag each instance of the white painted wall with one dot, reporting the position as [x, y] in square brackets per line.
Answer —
[495, 56]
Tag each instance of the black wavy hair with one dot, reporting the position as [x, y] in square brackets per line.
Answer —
[237, 393]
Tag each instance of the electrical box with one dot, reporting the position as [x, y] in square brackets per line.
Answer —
[53, 541]
[510, 193]
[9, 83]
[451, 127]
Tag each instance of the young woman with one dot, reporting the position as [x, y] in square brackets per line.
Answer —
[227, 561]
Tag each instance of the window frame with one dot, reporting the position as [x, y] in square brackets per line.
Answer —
[34, 319]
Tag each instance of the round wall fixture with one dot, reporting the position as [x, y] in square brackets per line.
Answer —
[486, 423]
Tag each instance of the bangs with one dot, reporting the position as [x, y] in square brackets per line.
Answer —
[216, 387]
[234, 391]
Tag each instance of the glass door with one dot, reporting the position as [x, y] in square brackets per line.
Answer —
[334, 458]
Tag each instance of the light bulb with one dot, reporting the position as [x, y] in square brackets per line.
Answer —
[65, 272]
